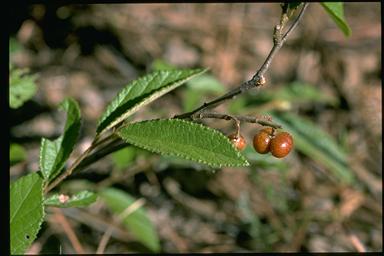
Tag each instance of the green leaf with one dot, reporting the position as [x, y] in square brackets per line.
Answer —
[22, 87]
[137, 222]
[27, 211]
[16, 154]
[83, 198]
[312, 141]
[184, 139]
[336, 11]
[54, 154]
[141, 92]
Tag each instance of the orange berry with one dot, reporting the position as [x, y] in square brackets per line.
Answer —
[239, 142]
[262, 140]
[281, 144]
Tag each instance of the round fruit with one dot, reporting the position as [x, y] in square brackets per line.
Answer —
[281, 144]
[238, 141]
[262, 140]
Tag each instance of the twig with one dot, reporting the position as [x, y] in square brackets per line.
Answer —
[95, 144]
[258, 79]
[69, 171]
[68, 231]
[107, 149]
[107, 235]
[248, 119]
[97, 222]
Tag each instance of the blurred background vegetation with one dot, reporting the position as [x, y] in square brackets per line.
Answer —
[323, 88]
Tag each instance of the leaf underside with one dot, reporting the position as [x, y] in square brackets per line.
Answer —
[336, 11]
[54, 154]
[82, 198]
[141, 92]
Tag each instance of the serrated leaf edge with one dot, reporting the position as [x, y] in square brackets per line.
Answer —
[42, 215]
[42, 142]
[337, 19]
[246, 163]
[63, 106]
[153, 96]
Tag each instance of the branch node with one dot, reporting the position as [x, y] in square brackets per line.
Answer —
[261, 80]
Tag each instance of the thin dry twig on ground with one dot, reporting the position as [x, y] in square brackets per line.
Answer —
[356, 242]
[60, 218]
[354, 239]
[98, 223]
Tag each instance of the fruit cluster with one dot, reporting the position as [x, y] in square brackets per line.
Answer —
[266, 140]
